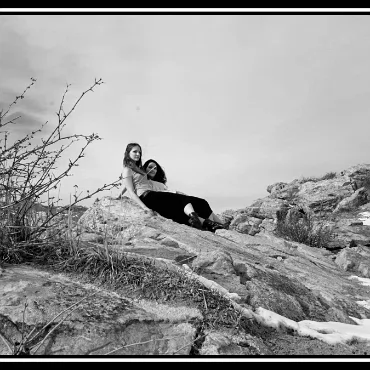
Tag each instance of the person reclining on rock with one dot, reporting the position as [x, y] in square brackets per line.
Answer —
[156, 176]
[173, 205]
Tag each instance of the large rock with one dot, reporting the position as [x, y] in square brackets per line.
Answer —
[324, 196]
[331, 200]
[350, 228]
[229, 344]
[356, 260]
[282, 190]
[101, 323]
[265, 208]
[292, 279]
[359, 176]
[216, 262]
[254, 271]
[357, 199]
[246, 224]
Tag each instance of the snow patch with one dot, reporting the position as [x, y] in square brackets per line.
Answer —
[364, 281]
[365, 304]
[329, 332]
[365, 218]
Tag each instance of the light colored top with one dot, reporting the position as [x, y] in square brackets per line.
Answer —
[158, 186]
[140, 182]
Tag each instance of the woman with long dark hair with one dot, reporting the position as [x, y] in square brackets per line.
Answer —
[159, 179]
[175, 206]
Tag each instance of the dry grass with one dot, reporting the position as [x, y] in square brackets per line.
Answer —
[304, 230]
[327, 176]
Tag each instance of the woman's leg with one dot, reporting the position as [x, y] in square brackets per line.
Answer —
[179, 207]
[188, 209]
[169, 205]
[215, 218]
[200, 206]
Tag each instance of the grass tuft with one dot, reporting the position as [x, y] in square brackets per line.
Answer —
[303, 230]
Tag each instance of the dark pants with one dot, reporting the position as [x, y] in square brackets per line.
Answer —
[171, 205]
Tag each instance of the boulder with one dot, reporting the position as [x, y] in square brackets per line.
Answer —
[216, 262]
[323, 196]
[350, 228]
[357, 199]
[283, 190]
[91, 321]
[246, 224]
[359, 176]
[329, 200]
[230, 344]
[265, 208]
[284, 273]
[355, 260]
[267, 226]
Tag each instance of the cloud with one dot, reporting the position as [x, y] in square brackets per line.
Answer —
[28, 104]
[14, 59]
[25, 121]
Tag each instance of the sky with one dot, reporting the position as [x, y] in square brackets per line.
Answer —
[227, 104]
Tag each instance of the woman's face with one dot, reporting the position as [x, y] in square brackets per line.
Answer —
[151, 169]
[135, 153]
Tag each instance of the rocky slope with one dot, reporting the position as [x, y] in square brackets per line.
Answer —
[263, 276]
[340, 200]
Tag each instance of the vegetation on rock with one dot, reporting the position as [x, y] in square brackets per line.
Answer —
[29, 175]
[303, 229]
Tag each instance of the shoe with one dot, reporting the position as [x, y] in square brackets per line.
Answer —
[212, 225]
[194, 221]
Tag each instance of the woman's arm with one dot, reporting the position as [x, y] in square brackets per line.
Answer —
[127, 181]
[159, 186]
[123, 191]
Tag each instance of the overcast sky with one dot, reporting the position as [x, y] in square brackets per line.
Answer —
[227, 104]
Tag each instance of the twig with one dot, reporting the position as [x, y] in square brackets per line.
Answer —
[24, 312]
[205, 302]
[188, 344]
[47, 335]
[54, 318]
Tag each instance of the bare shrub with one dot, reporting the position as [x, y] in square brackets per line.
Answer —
[307, 179]
[329, 176]
[29, 173]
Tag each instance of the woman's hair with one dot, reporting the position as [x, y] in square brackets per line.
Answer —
[160, 176]
[127, 161]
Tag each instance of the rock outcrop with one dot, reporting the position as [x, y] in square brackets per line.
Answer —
[289, 278]
[102, 323]
[261, 275]
[340, 201]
